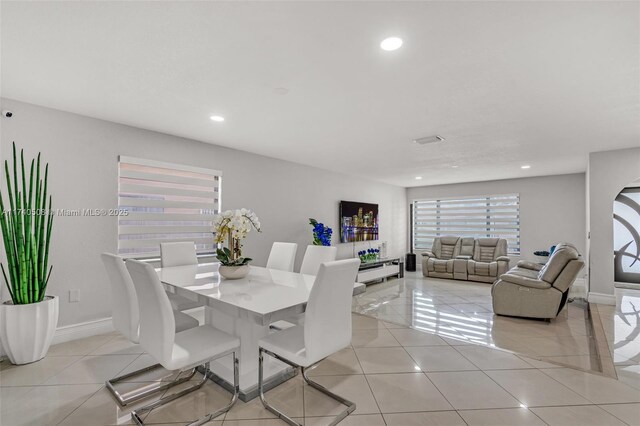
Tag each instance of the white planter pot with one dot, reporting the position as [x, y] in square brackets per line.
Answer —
[233, 272]
[26, 331]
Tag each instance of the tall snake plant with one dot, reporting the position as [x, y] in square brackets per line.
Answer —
[26, 231]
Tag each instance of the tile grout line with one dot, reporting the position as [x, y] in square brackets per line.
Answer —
[432, 384]
[80, 405]
[543, 406]
[611, 414]
[366, 379]
[583, 396]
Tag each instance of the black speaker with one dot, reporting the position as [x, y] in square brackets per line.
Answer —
[410, 262]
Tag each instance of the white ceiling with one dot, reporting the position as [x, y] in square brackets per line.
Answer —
[506, 83]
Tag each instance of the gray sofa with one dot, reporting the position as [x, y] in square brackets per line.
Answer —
[531, 290]
[469, 259]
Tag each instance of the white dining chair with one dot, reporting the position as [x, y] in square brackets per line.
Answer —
[179, 254]
[126, 320]
[326, 330]
[177, 351]
[282, 256]
[314, 256]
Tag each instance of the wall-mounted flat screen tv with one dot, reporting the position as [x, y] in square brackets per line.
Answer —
[358, 221]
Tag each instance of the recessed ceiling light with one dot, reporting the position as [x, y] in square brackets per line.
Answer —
[217, 118]
[454, 166]
[391, 43]
[525, 167]
[418, 177]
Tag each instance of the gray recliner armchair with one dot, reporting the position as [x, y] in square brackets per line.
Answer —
[489, 260]
[438, 263]
[531, 290]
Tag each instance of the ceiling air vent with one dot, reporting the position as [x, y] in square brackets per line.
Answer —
[429, 139]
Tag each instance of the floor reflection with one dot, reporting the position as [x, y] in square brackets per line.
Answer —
[463, 311]
[621, 327]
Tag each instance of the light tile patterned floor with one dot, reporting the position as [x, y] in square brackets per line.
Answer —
[437, 369]
[396, 375]
[463, 311]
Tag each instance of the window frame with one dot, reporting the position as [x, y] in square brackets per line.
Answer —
[492, 232]
[196, 196]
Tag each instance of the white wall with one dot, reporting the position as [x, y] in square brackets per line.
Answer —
[83, 154]
[552, 208]
[609, 172]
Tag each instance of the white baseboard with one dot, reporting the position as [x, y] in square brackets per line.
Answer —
[603, 299]
[68, 333]
[84, 329]
[578, 288]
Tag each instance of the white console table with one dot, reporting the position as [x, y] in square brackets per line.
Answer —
[381, 269]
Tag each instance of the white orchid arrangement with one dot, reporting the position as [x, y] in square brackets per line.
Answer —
[234, 225]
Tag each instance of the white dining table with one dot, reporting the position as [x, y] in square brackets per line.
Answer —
[244, 308]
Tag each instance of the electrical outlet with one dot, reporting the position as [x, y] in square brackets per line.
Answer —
[74, 296]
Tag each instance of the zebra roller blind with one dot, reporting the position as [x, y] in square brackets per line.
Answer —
[165, 202]
[479, 217]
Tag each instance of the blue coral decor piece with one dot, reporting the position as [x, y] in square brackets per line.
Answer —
[321, 233]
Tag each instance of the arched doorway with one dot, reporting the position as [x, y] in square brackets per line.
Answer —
[626, 234]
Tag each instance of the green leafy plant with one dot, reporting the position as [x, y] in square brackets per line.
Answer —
[26, 231]
[225, 257]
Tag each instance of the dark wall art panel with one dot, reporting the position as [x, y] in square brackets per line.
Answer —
[626, 236]
[358, 221]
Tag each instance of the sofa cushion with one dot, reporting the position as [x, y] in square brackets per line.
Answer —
[440, 266]
[447, 251]
[530, 265]
[486, 254]
[446, 247]
[488, 249]
[524, 272]
[485, 269]
[524, 281]
[466, 246]
[563, 254]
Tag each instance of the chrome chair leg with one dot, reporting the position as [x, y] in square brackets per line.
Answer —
[266, 404]
[136, 415]
[234, 398]
[351, 406]
[137, 394]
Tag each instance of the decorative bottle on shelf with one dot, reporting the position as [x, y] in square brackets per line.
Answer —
[383, 250]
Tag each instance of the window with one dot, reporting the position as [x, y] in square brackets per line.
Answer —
[478, 217]
[165, 202]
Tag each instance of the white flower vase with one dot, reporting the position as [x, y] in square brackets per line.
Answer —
[233, 272]
[26, 331]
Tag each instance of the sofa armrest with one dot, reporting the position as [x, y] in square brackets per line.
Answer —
[524, 281]
[503, 264]
[529, 265]
[428, 254]
[463, 257]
